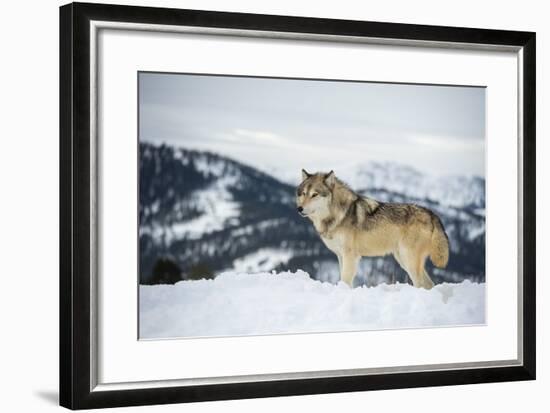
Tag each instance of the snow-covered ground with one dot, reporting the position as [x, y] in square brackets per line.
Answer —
[235, 304]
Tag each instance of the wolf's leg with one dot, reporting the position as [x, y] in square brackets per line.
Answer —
[409, 263]
[399, 260]
[349, 268]
[424, 279]
[340, 264]
[428, 283]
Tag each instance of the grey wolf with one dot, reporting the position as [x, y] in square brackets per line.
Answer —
[354, 226]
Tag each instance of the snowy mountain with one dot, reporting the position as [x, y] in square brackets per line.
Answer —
[207, 214]
[453, 190]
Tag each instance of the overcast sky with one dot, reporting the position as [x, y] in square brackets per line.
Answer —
[281, 123]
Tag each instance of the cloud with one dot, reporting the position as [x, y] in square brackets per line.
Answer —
[449, 143]
[265, 122]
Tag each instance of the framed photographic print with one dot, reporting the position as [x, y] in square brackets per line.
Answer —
[258, 205]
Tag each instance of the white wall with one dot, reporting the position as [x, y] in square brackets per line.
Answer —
[29, 206]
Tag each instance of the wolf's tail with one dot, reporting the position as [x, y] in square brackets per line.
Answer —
[439, 253]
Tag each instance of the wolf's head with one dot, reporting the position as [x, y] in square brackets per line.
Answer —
[314, 194]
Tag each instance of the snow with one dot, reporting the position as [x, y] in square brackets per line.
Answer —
[236, 304]
[262, 260]
[210, 167]
[217, 206]
[475, 232]
[262, 226]
[448, 190]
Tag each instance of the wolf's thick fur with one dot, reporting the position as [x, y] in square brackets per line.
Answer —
[353, 226]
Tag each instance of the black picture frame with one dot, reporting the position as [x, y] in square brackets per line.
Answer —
[75, 218]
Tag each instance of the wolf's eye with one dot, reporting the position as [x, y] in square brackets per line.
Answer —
[314, 195]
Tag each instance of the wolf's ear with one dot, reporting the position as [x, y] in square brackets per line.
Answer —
[305, 175]
[330, 179]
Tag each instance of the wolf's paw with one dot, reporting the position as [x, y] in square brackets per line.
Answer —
[343, 285]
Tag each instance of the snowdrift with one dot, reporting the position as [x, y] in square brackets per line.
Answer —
[235, 304]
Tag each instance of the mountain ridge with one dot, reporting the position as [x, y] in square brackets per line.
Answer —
[199, 208]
